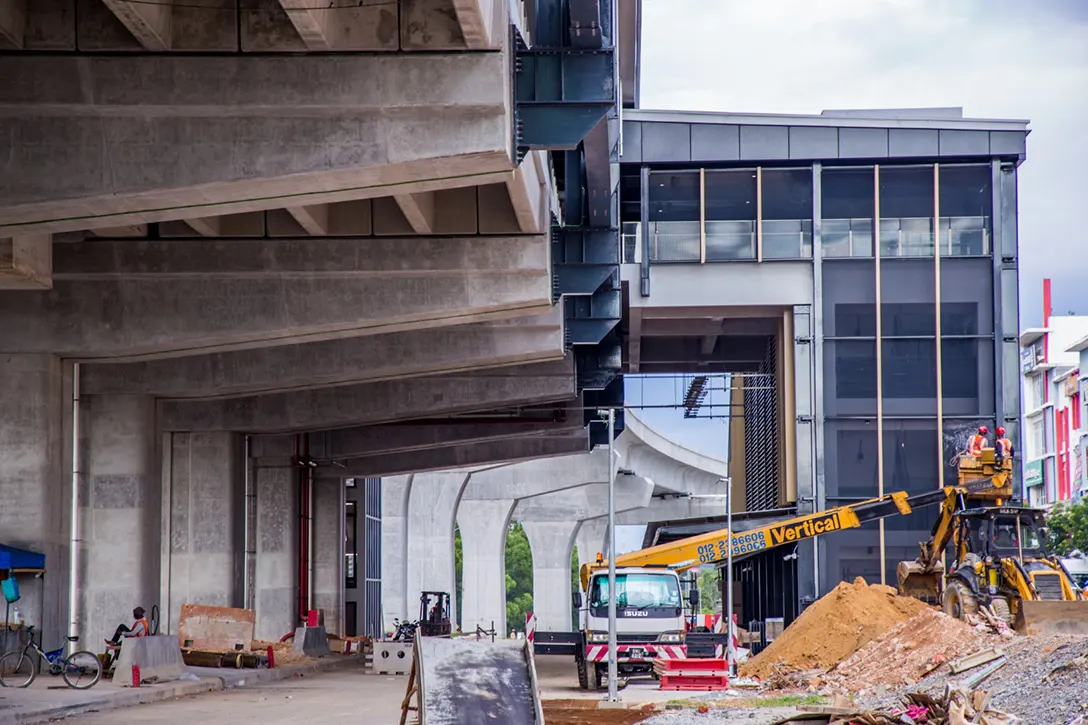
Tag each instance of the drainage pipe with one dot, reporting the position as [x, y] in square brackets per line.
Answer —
[247, 531]
[309, 474]
[73, 543]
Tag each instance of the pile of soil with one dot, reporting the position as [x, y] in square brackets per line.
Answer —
[922, 645]
[833, 628]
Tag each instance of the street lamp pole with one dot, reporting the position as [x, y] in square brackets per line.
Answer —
[729, 653]
[613, 669]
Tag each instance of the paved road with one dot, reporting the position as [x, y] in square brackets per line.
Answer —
[332, 698]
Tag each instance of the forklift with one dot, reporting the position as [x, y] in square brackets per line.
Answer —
[434, 614]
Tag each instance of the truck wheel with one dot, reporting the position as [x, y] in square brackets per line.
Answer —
[583, 672]
[959, 601]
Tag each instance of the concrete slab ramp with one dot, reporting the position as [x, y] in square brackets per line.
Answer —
[465, 681]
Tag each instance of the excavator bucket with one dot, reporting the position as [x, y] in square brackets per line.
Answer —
[915, 581]
[1053, 617]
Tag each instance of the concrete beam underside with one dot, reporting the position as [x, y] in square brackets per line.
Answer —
[365, 359]
[383, 402]
[520, 448]
[365, 441]
[176, 298]
[173, 137]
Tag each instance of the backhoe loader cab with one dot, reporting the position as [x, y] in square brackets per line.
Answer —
[1000, 560]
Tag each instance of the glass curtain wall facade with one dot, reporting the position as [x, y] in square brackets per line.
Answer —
[915, 267]
[908, 344]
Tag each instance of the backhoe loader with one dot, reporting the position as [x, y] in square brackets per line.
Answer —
[999, 557]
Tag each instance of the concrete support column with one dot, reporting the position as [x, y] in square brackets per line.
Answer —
[119, 510]
[328, 526]
[33, 486]
[394, 549]
[591, 539]
[483, 526]
[276, 580]
[203, 519]
[432, 508]
[551, 543]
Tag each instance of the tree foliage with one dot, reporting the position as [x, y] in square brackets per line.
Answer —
[1068, 524]
[710, 593]
[519, 577]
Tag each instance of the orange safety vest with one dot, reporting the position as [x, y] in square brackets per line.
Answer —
[978, 442]
[1005, 446]
[146, 629]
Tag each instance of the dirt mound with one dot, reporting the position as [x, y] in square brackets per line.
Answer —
[834, 627]
[922, 645]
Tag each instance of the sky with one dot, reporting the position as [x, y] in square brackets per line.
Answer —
[994, 58]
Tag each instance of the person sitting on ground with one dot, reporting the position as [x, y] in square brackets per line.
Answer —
[138, 629]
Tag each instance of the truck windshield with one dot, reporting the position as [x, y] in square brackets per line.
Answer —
[640, 591]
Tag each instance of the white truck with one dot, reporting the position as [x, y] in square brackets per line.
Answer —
[652, 618]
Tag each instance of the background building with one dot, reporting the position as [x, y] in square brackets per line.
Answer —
[1051, 363]
[856, 272]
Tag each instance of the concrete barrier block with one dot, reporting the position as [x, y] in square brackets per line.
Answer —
[392, 658]
[159, 659]
[311, 641]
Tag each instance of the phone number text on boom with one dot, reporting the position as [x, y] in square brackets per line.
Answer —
[742, 544]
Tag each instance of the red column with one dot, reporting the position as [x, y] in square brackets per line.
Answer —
[1046, 319]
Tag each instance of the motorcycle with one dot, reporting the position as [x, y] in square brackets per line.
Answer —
[404, 631]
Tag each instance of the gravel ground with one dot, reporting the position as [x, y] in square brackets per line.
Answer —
[1044, 683]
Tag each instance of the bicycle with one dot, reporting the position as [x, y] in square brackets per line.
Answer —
[18, 669]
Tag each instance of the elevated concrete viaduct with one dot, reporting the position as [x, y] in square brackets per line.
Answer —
[225, 225]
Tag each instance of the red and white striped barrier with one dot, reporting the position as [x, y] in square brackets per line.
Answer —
[530, 627]
[599, 652]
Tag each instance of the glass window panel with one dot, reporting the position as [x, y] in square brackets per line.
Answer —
[847, 282]
[966, 191]
[674, 196]
[730, 240]
[906, 211]
[912, 458]
[787, 194]
[847, 193]
[790, 239]
[847, 207]
[855, 320]
[966, 294]
[731, 195]
[855, 368]
[967, 377]
[674, 241]
[909, 369]
[957, 435]
[907, 280]
[907, 319]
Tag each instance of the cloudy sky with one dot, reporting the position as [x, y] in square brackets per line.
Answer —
[995, 58]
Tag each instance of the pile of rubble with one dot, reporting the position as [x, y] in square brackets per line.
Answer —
[916, 648]
[957, 706]
[833, 628]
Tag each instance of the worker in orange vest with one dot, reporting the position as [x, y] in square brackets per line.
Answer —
[1002, 445]
[978, 442]
[139, 628]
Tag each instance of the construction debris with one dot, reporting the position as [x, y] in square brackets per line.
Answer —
[215, 628]
[903, 655]
[833, 628]
[956, 707]
[586, 712]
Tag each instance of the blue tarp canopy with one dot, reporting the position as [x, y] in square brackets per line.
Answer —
[12, 558]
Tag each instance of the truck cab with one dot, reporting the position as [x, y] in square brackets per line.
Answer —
[650, 620]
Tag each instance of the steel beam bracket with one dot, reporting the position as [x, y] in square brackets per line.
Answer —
[560, 94]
